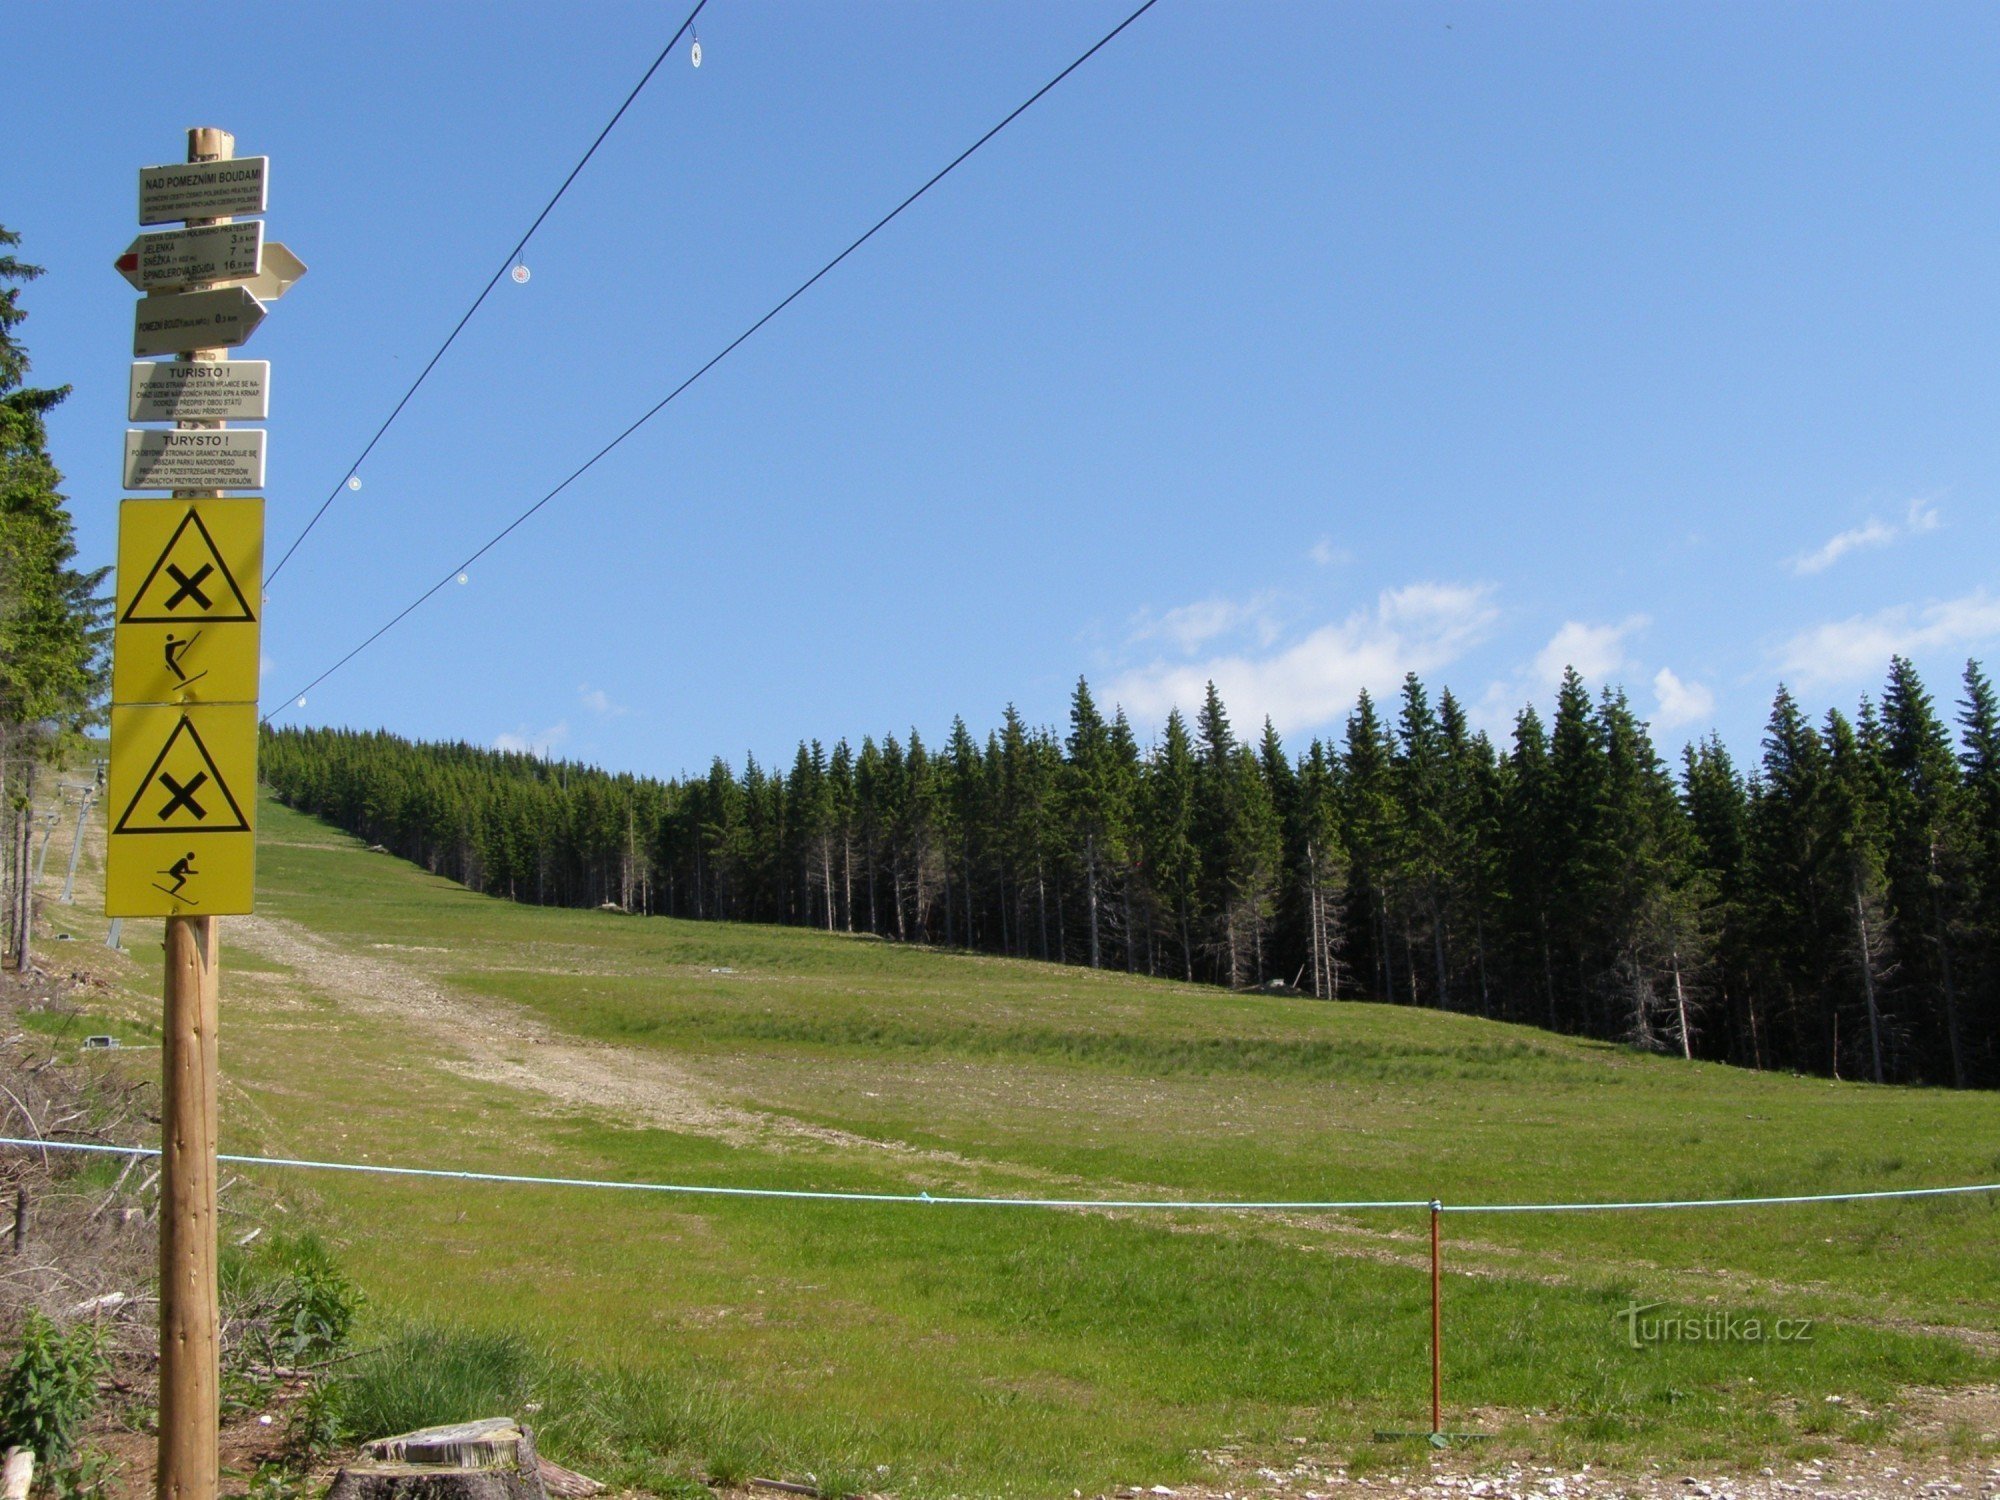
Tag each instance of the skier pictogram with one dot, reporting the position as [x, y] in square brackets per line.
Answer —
[179, 872]
[176, 648]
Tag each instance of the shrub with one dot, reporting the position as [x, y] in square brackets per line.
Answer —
[50, 1389]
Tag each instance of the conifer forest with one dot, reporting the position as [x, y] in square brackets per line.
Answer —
[1833, 908]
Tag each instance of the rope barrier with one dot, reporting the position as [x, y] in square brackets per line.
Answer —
[1197, 1205]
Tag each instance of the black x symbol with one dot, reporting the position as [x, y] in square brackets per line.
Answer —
[190, 587]
[183, 796]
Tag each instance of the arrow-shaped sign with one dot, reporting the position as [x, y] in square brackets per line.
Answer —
[182, 257]
[281, 268]
[194, 320]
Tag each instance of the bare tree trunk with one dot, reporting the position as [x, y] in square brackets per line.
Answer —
[1681, 1007]
[1479, 946]
[1438, 963]
[24, 885]
[1548, 970]
[1090, 881]
[1312, 913]
[1042, 908]
[1868, 978]
[1944, 975]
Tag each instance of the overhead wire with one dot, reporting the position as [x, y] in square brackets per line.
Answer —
[728, 349]
[513, 257]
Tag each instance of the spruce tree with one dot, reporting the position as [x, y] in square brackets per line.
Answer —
[1369, 831]
[1926, 849]
[1979, 763]
[1173, 859]
[1426, 852]
[1717, 806]
[1093, 821]
[1855, 828]
[1794, 889]
[52, 630]
[1530, 819]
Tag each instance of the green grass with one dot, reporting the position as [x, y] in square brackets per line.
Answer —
[70, 1027]
[989, 1351]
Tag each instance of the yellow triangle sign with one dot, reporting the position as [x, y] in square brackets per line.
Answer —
[183, 791]
[188, 582]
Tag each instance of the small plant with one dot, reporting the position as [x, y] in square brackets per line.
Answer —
[314, 1314]
[274, 1482]
[316, 1424]
[83, 1476]
[293, 1305]
[50, 1389]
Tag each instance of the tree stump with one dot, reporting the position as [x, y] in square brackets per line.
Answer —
[493, 1459]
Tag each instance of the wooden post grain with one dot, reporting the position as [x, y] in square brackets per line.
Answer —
[190, 1319]
[190, 1373]
[1437, 1328]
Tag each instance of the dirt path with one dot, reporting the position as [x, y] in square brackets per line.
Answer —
[492, 1041]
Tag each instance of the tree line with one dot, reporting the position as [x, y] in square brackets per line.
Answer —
[54, 625]
[1835, 910]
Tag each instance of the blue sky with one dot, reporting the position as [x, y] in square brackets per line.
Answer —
[1297, 346]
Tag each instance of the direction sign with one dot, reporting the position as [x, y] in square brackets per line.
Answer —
[203, 190]
[218, 460]
[174, 324]
[190, 581]
[281, 269]
[221, 390]
[181, 257]
[182, 807]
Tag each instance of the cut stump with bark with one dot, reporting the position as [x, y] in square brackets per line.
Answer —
[493, 1459]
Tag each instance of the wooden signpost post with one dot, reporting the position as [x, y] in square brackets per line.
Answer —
[181, 798]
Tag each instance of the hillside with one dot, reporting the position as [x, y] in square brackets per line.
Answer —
[374, 1013]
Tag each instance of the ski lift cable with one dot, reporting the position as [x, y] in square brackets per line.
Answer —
[730, 348]
[511, 263]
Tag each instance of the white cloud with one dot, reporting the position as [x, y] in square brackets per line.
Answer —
[598, 701]
[1189, 627]
[1327, 555]
[1314, 680]
[1596, 651]
[1918, 518]
[541, 743]
[1860, 646]
[1680, 702]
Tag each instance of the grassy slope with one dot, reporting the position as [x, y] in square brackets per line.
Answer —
[989, 1350]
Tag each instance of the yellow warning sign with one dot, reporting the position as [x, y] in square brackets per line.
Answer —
[190, 580]
[182, 806]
